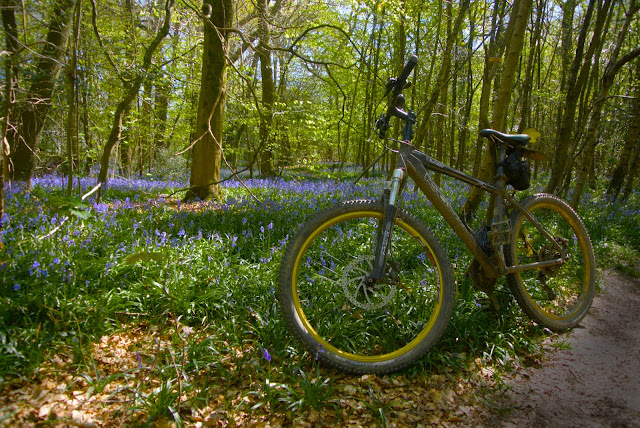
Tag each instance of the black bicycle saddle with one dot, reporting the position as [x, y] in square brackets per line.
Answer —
[514, 140]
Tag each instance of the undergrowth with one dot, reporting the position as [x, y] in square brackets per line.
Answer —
[201, 279]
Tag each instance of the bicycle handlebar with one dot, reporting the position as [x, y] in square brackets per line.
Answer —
[408, 68]
[395, 86]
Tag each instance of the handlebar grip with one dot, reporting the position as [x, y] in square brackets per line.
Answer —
[408, 68]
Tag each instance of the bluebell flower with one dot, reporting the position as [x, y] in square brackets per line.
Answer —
[266, 355]
[35, 268]
[319, 351]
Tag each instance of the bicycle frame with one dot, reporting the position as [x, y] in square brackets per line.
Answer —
[415, 164]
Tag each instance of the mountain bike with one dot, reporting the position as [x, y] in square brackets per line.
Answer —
[368, 288]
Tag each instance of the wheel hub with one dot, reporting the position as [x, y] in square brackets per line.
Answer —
[363, 291]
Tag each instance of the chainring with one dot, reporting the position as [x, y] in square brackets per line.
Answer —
[549, 252]
[484, 283]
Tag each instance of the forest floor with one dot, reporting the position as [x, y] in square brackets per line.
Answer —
[589, 377]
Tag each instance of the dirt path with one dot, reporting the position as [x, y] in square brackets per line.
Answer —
[592, 380]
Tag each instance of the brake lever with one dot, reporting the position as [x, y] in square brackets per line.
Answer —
[382, 125]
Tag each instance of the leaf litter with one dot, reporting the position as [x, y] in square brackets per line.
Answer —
[63, 394]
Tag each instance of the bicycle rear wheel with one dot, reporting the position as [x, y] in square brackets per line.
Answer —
[359, 328]
[557, 297]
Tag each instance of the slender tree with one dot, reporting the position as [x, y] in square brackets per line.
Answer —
[443, 75]
[12, 45]
[72, 130]
[615, 64]
[518, 25]
[576, 82]
[624, 168]
[131, 91]
[24, 136]
[268, 88]
[207, 149]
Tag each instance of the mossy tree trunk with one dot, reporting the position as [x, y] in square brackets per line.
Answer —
[268, 89]
[207, 148]
[24, 136]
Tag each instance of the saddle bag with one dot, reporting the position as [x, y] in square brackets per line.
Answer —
[517, 170]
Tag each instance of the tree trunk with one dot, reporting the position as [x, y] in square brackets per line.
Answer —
[160, 116]
[511, 61]
[466, 113]
[425, 122]
[11, 38]
[207, 150]
[624, 167]
[368, 113]
[399, 47]
[441, 106]
[72, 128]
[25, 137]
[577, 79]
[634, 167]
[613, 67]
[145, 132]
[527, 85]
[131, 93]
[493, 52]
[518, 25]
[268, 88]
[443, 75]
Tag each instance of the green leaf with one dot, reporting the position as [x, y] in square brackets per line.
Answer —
[80, 214]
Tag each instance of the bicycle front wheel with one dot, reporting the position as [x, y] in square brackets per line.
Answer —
[357, 327]
[557, 297]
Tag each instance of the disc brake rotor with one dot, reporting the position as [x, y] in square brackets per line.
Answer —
[358, 291]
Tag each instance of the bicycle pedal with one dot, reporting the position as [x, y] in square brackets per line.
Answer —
[500, 233]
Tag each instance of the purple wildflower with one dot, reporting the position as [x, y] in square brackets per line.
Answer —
[319, 351]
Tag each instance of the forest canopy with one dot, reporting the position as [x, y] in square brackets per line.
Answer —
[106, 88]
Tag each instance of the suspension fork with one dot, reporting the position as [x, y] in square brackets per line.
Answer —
[390, 199]
[386, 226]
